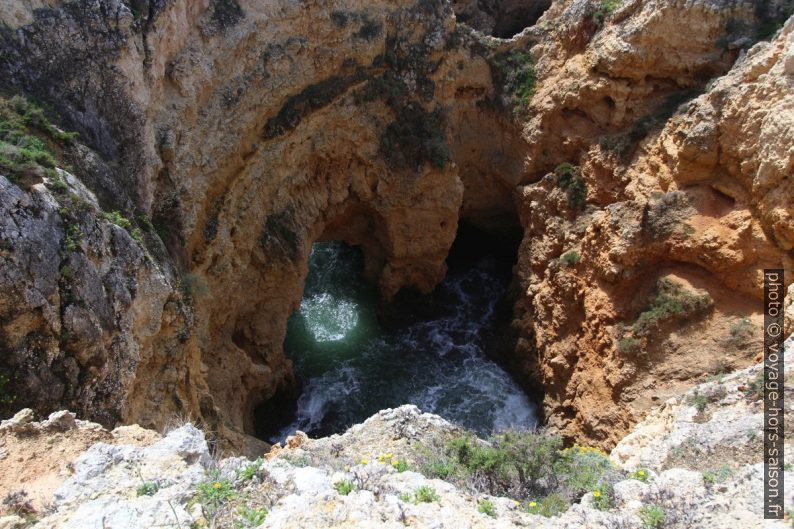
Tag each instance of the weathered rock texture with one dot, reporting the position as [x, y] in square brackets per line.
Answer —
[702, 469]
[243, 131]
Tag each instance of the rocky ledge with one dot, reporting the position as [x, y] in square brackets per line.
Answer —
[693, 462]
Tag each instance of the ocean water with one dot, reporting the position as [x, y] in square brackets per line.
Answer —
[356, 355]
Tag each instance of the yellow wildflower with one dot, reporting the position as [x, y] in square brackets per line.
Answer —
[216, 485]
[363, 461]
[388, 456]
[533, 504]
[641, 473]
[597, 494]
[394, 462]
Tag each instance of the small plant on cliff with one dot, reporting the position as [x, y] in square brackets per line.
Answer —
[26, 138]
[629, 345]
[604, 10]
[602, 498]
[487, 508]
[720, 476]
[425, 494]
[250, 470]
[147, 488]
[515, 72]
[571, 258]
[250, 517]
[344, 487]
[652, 516]
[640, 474]
[552, 505]
[569, 179]
[670, 301]
[698, 401]
[214, 493]
[741, 332]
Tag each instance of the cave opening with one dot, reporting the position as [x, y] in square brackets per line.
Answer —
[355, 353]
[514, 16]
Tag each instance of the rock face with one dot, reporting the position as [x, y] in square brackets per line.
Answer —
[695, 469]
[235, 133]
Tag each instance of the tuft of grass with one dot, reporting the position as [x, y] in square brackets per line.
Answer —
[250, 517]
[487, 508]
[652, 516]
[344, 487]
[147, 488]
[423, 494]
[698, 401]
[250, 470]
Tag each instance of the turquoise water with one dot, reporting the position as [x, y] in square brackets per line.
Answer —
[356, 355]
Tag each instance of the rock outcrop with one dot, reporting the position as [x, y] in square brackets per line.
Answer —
[232, 134]
[696, 458]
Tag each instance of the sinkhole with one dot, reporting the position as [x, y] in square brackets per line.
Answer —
[355, 354]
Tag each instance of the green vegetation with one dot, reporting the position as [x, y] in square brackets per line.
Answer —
[344, 487]
[527, 466]
[250, 517]
[629, 345]
[652, 516]
[214, 493]
[741, 332]
[251, 469]
[670, 301]
[604, 10]
[487, 508]
[26, 140]
[720, 476]
[640, 474]
[571, 258]
[192, 285]
[569, 179]
[147, 488]
[698, 401]
[515, 73]
[425, 494]
[755, 388]
[552, 505]
[602, 498]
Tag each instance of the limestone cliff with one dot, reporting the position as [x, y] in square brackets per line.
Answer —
[234, 133]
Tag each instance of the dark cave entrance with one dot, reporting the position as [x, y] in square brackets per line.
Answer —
[515, 15]
[356, 354]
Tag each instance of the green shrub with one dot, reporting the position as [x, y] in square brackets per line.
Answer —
[583, 469]
[118, 219]
[515, 73]
[344, 487]
[439, 468]
[487, 508]
[652, 516]
[604, 10]
[741, 332]
[670, 301]
[26, 135]
[571, 258]
[147, 488]
[698, 401]
[569, 178]
[250, 517]
[629, 345]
